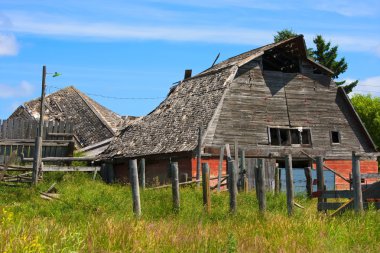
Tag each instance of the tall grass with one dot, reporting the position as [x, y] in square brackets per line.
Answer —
[94, 217]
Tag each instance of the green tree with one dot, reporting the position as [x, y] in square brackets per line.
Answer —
[324, 54]
[368, 108]
[284, 35]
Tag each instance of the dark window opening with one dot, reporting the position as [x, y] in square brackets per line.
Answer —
[284, 137]
[306, 138]
[285, 59]
[295, 135]
[335, 137]
[287, 136]
[275, 140]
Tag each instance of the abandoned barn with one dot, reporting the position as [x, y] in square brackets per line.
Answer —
[94, 125]
[268, 102]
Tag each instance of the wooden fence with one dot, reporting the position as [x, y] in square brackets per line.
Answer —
[17, 137]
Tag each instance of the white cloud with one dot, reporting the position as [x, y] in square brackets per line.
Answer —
[24, 89]
[60, 26]
[369, 85]
[8, 45]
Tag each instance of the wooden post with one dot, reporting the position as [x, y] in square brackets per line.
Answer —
[320, 177]
[206, 187]
[220, 166]
[309, 181]
[233, 185]
[135, 187]
[244, 171]
[37, 159]
[356, 183]
[199, 154]
[276, 179]
[38, 142]
[142, 173]
[175, 186]
[260, 185]
[289, 183]
[110, 173]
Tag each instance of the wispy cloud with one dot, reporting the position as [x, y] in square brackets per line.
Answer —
[60, 26]
[24, 89]
[369, 85]
[348, 8]
[8, 45]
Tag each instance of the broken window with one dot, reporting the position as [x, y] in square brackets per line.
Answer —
[274, 137]
[285, 59]
[289, 136]
[335, 137]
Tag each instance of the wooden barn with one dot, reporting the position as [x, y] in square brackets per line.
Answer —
[270, 101]
[94, 125]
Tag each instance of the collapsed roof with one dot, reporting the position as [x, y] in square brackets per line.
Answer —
[93, 123]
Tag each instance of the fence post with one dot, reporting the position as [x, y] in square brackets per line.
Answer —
[276, 179]
[320, 178]
[220, 166]
[309, 181]
[232, 185]
[199, 154]
[135, 187]
[206, 187]
[356, 183]
[142, 173]
[260, 184]
[289, 183]
[37, 159]
[244, 171]
[175, 186]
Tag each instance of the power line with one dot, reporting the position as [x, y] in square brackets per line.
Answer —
[112, 97]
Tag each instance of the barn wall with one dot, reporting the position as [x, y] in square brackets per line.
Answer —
[344, 167]
[257, 99]
[156, 170]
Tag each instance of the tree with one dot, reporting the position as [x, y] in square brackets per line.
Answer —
[284, 35]
[368, 108]
[324, 54]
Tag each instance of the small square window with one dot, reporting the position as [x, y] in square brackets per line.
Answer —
[306, 139]
[335, 137]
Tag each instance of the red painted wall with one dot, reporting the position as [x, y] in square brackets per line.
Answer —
[156, 171]
[344, 167]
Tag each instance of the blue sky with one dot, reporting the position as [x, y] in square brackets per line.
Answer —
[117, 50]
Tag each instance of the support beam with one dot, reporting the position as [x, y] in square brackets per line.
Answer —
[199, 154]
[276, 179]
[232, 185]
[220, 166]
[289, 183]
[309, 181]
[260, 185]
[206, 187]
[142, 173]
[320, 177]
[175, 186]
[135, 187]
[356, 184]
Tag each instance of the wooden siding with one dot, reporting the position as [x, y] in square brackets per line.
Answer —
[257, 99]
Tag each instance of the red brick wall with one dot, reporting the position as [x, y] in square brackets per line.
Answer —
[344, 167]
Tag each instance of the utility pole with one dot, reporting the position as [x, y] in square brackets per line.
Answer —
[38, 142]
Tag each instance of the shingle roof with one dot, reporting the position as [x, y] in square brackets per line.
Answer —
[92, 122]
[172, 126]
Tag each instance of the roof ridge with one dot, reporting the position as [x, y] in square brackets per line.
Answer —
[87, 101]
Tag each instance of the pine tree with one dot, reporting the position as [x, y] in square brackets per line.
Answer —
[324, 54]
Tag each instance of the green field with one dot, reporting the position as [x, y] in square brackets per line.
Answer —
[94, 217]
